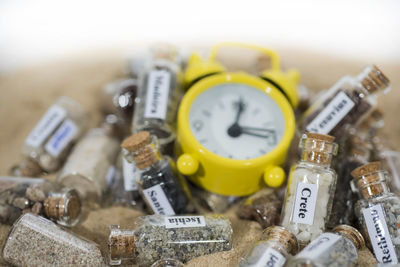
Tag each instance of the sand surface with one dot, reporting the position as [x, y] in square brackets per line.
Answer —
[27, 94]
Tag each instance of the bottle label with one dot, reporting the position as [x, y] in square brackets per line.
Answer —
[379, 234]
[47, 124]
[331, 115]
[184, 221]
[129, 172]
[319, 246]
[61, 138]
[270, 258]
[304, 203]
[158, 201]
[157, 94]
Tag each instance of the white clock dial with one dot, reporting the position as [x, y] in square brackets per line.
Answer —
[236, 121]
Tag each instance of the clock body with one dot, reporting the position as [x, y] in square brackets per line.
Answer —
[233, 132]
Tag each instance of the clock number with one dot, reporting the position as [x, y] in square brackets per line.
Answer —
[198, 125]
[206, 113]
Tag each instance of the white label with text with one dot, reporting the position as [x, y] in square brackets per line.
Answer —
[184, 221]
[158, 201]
[304, 203]
[61, 138]
[331, 115]
[157, 94]
[319, 246]
[270, 258]
[379, 234]
[129, 172]
[47, 124]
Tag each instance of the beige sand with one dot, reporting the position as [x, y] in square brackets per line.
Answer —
[28, 93]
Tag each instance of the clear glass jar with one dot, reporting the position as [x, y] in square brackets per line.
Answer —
[311, 181]
[21, 195]
[53, 136]
[159, 92]
[264, 207]
[356, 153]
[273, 249]
[336, 249]
[378, 211]
[180, 237]
[162, 187]
[89, 163]
[347, 103]
[36, 241]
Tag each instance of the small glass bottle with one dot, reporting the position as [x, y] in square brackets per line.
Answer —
[336, 249]
[180, 237]
[272, 250]
[357, 154]
[347, 103]
[379, 212]
[53, 136]
[311, 181]
[264, 207]
[36, 241]
[119, 98]
[89, 163]
[21, 195]
[159, 92]
[162, 187]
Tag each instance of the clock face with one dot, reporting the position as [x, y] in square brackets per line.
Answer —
[237, 121]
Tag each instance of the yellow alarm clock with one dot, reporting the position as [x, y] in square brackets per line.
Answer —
[234, 129]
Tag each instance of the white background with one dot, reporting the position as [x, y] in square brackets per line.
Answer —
[35, 31]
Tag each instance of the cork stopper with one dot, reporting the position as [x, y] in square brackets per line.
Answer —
[144, 153]
[286, 238]
[369, 179]
[27, 168]
[58, 207]
[122, 245]
[318, 148]
[377, 114]
[145, 158]
[136, 141]
[374, 80]
[366, 169]
[321, 137]
[352, 234]
[164, 51]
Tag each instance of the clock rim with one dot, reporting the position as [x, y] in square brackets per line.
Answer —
[186, 136]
